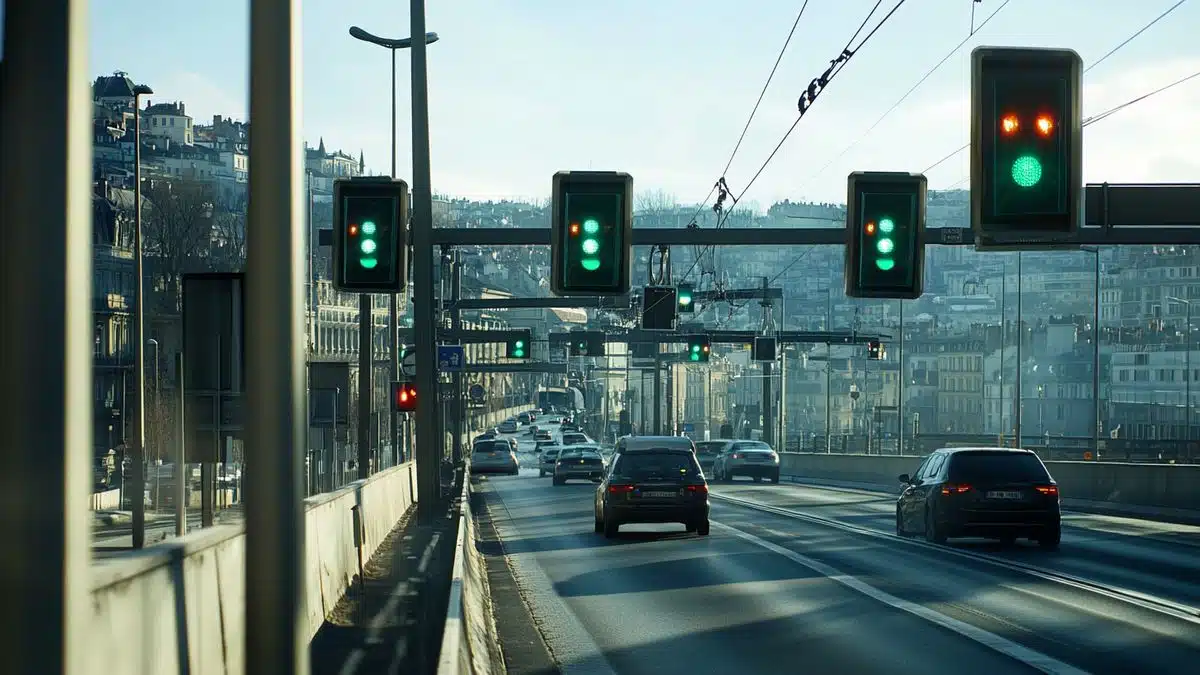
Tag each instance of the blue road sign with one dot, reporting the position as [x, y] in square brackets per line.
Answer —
[450, 358]
[688, 427]
[476, 393]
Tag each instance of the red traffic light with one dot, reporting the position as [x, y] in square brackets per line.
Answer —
[871, 228]
[404, 397]
[1044, 125]
[1010, 124]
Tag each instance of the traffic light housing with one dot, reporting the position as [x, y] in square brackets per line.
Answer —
[370, 239]
[520, 347]
[591, 233]
[885, 228]
[684, 298]
[875, 351]
[699, 348]
[1026, 145]
[587, 343]
[404, 396]
[660, 308]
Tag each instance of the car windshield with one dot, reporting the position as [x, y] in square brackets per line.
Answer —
[570, 439]
[708, 448]
[658, 465]
[997, 467]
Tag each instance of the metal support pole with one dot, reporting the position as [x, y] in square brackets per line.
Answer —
[394, 305]
[428, 451]
[1187, 361]
[1020, 340]
[366, 329]
[137, 491]
[900, 387]
[46, 339]
[275, 639]
[1096, 361]
[658, 429]
[457, 410]
[768, 418]
[181, 467]
[671, 421]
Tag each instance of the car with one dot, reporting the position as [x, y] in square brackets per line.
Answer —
[494, 456]
[579, 462]
[706, 454]
[508, 427]
[746, 458]
[646, 442]
[542, 435]
[525, 418]
[575, 438]
[658, 484]
[549, 455]
[1000, 493]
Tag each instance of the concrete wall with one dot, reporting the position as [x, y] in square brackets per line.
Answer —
[107, 500]
[469, 640]
[1136, 486]
[183, 601]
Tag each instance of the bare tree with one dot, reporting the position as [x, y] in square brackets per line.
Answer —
[655, 202]
[178, 231]
[228, 251]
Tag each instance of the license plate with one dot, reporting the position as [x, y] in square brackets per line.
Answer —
[658, 494]
[1004, 494]
[493, 454]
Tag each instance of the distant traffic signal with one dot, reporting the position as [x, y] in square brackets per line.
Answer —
[683, 295]
[660, 308]
[519, 347]
[404, 396]
[885, 229]
[875, 350]
[699, 349]
[591, 233]
[370, 217]
[588, 343]
[1026, 144]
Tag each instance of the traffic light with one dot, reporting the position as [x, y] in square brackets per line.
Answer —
[404, 396]
[370, 242]
[587, 343]
[683, 294]
[660, 308]
[885, 228]
[699, 349]
[875, 350]
[519, 347]
[1026, 145]
[591, 233]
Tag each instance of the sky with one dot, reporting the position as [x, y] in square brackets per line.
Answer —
[661, 89]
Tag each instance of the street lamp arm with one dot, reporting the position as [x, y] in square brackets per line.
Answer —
[388, 43]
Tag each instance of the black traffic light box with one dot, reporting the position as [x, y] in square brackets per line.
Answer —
[1026, 145]
[684, 298]
[660, 308]
[587, 343]
[763, 348]
[699, 348]
[875, 351]
[591, 233]
[520, 347]
[370, 239]
[404, 396]
[885, 232]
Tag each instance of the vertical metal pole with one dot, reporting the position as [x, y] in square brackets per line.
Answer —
[670, 396]
[366, 360]
[658, 430]
[393, 305]
[1096, 361]
[138, 484]
[900, 387]
[1020, 339]
[828, 398]
[428, 451]
[1187, 360]
[181, 467]
[312, 265]
[46, 338]
[274, 634]
[768, 418]
[458, 412]
[781, 418]
[332, 453]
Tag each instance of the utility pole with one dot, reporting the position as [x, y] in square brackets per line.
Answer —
[768, 421]
[457, 410]
[366, 360]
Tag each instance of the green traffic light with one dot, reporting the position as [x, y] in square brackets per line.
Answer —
[368, 263]
[887, 225]
[591, 246]
[685, 300]
[885, 245]
[368, 246]
[590, 264]
[1027, 171]
[885, 264]
[368, 227]
[591, 226]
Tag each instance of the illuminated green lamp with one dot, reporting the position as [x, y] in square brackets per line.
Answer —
[590, 245]
[1027, 171]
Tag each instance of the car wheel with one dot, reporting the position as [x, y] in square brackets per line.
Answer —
[558, 481]
[541, 474]
[599, 524]
[1051, 538]
[933, 533]
[610, 528]
[702, 528]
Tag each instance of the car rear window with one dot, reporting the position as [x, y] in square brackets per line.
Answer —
[752, 445]
[708, 448]
[578, 453]
[492, 446]
[979, 467]
[664, 464]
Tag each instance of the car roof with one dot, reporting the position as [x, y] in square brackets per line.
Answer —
[650, 442]
[984, 448]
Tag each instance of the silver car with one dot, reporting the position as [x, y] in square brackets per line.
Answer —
[579, 462]
[746, 458]
[495, 456]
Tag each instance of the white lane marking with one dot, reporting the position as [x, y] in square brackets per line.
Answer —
[1020, 653]
[1129, 596]
[571, 644]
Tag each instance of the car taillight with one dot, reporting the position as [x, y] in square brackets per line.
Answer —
[619, 489]
[698, 489]
[1051, 490]
[735, 456]
[954, 489]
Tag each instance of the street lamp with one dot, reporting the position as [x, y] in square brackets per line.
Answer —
[1187, 362]
[138, 487]
[391, 44]
[158, 432]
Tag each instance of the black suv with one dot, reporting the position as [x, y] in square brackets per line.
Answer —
[653, 485]
[981, 492]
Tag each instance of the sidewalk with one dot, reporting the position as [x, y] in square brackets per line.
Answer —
[393, 621]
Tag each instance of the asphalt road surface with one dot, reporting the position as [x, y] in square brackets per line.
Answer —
[797, 579]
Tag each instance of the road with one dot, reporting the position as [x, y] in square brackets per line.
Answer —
[779, 591]
[113, 540]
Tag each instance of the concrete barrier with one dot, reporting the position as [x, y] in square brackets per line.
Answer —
[1139, 489]
[470, 637]
[179, 607]
[107, 500]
